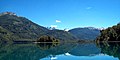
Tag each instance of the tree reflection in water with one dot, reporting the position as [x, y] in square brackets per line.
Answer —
[52, 50]
[110, 48]
[45, 46]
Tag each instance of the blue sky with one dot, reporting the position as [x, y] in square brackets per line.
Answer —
[66, 13]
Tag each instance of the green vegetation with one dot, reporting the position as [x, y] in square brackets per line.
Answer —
[13, 27]
[6, 35]
[21, 27]
[110, 34]
[47, 38]
[16, 28]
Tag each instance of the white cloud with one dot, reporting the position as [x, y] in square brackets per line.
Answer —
[53, 26]
[89, 8]
[58, 21]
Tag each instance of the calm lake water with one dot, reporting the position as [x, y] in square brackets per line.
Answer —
[60, 51]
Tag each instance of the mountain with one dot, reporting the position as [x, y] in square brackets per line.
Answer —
[13, 27]
[21, 27]
[62, 35]
[87, 33]
[110, 34]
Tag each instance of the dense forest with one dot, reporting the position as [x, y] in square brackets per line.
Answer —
[110, 34]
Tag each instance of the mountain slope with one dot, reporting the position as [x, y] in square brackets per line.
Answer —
[5, 35]
[88, 33]
[13, 27]
[62, 35]
[21, 27]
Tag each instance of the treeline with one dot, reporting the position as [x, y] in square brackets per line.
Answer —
[110, 34]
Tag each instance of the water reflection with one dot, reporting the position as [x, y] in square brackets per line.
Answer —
[60, 51]
[112, 49]
[85, 49]
[45, 46]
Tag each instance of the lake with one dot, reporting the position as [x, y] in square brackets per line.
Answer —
[60, 51]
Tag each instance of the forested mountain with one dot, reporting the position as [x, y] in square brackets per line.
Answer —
[5, 35]
[110, 34]
[87, 33]
[13, 27]
[20, 26]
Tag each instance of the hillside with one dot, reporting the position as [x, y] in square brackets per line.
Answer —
[62, 35]
[87, 33]
[21, 26]
[110, 34]
[5, 35]
[13, 27]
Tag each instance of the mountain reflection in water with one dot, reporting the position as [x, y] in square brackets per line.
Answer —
[60, 51]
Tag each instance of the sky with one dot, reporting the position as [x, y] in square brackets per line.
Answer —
[66, 14]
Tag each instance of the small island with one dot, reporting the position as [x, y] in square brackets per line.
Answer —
[47, 39]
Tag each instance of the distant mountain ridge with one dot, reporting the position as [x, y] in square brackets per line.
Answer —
[85, 33]
[62, 35]
[94, 28]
